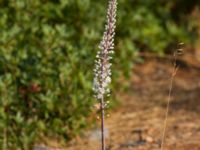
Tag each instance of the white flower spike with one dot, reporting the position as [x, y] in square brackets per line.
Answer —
[102, 71]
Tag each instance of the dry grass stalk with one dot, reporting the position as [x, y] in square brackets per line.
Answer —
[178, 51]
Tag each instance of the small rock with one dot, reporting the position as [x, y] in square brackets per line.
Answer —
[149, 139]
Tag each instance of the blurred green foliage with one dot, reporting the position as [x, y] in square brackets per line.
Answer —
[47, 49]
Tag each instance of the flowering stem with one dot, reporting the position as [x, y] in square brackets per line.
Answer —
[102, 70]
[102, 124]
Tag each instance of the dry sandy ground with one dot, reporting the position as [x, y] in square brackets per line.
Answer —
[138, 123]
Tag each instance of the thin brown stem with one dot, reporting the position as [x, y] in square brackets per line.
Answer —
[175, 69]
[102, 124]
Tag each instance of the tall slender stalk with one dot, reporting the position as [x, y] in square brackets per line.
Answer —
[168, 105]
[102, 71]
[102, 125]
[175, 69]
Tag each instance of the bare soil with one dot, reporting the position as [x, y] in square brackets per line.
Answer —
[138, 123]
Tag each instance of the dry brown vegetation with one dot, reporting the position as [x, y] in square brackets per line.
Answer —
[143, 109]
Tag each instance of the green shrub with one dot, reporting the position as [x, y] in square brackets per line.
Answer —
[47, 49]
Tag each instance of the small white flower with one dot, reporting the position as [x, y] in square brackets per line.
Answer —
[108, 79]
